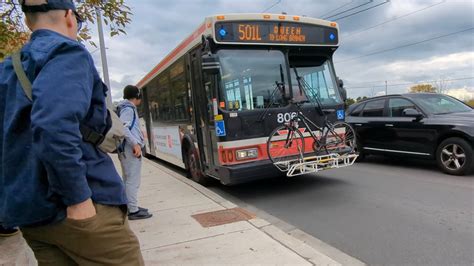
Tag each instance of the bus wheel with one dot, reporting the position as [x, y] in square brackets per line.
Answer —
[194, 168]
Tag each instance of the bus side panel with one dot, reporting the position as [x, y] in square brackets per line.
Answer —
[167, 143]
[169, 105]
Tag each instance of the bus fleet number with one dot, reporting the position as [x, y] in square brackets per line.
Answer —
[285, 117]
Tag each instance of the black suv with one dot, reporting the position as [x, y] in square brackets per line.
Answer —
[424, 125]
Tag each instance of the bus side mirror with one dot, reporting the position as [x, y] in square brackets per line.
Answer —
[210, 64]
[340, 87]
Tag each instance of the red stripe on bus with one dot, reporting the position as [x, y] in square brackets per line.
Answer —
[262, 152]
[171, 56]
[229, 153]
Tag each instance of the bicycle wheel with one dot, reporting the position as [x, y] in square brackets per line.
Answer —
[339, 138]
[284, 145]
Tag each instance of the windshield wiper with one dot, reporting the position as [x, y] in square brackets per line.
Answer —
[306, 89]
[278, 87]
[282, 79]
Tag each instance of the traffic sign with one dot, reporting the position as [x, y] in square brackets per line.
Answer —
[340, 114]
[220, 128]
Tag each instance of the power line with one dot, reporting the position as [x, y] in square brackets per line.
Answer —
[393, 19]
[345, 11]
[270, 7]
[370, 83]
[344, 5]
[355, 13]
[405, 45]
[410, 83]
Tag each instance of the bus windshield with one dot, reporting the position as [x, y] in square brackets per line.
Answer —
[320, 81]
[248, 79]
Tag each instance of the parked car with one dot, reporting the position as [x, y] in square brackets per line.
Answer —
[423, 125]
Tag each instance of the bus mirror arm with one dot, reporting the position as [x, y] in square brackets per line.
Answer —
[209, 62]
[206, 47]
[342, 90]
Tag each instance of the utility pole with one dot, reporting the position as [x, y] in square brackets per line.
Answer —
[103, 57]
[386, 88]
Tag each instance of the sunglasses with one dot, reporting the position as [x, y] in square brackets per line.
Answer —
[79, 19]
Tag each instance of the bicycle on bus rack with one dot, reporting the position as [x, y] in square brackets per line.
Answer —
[329, 146]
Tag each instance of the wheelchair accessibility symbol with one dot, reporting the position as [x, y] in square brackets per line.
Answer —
[340, 114]
[220, 129]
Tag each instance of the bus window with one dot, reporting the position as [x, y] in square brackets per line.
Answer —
[320, 81]
[164, 98]
[152, 98]
[232, 91]
[248, 78]
[179, 99]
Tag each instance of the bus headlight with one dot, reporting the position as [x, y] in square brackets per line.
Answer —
[246, 154]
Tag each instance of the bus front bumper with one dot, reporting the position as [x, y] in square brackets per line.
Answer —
[242, 173]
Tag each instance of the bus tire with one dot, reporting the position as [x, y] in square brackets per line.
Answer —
[194, 168]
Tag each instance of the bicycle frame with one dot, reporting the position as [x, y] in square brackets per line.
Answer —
[307, 122]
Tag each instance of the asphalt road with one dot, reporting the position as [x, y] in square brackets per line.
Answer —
[382, 211]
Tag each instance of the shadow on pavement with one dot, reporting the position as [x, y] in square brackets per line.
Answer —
[281, 186]
[411, 163]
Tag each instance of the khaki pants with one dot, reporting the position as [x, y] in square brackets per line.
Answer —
[104, 239]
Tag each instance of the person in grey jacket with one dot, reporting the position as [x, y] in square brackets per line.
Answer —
[131, 154]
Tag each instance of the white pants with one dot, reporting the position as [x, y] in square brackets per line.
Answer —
[131, 174]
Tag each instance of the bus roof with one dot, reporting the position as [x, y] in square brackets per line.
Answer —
[207, 29]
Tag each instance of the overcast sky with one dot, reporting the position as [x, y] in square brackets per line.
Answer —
[158, 26]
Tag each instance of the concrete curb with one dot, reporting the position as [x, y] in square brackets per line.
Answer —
[306, 246]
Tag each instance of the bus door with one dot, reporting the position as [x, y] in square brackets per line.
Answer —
[203, 91]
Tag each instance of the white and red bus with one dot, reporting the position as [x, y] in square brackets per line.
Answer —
[210, 105]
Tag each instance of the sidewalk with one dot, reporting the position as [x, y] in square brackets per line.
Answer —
[174, 236]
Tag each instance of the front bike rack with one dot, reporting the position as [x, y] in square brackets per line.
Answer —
[313, 164]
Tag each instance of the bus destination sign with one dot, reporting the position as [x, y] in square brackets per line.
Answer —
[275, 32]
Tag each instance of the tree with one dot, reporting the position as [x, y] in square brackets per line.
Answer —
[358, 99]
[441, 85]
[350, 101]
[422, 88]
[14, 33]
[470, 103]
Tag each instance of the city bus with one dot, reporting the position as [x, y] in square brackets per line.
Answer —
[211, 103]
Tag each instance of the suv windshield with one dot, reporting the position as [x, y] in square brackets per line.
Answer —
[440, 104]
[248, 79]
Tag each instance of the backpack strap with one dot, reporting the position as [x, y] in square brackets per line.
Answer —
[20, 73]
[133, 121]
[88, 134]
[134, 116]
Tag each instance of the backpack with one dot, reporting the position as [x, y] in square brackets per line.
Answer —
[108, 141]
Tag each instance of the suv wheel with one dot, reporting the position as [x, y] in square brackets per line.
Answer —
[454, 156]
[362, 154]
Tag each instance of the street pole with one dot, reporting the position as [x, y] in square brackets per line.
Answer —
[386, 88]
[103, 57]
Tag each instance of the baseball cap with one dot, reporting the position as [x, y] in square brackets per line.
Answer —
[49, 5]
[53, 5]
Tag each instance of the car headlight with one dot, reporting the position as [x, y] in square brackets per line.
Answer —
[246, 154]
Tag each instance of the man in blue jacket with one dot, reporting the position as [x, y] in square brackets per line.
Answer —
[63, 193]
